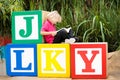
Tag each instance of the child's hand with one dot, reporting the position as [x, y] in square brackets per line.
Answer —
[54, 33]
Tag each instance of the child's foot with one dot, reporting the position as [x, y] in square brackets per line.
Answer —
[70, 41]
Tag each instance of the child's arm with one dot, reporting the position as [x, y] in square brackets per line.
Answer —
[53, 33]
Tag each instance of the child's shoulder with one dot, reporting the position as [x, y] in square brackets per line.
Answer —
[47, 23]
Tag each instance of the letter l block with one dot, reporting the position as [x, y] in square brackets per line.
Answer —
[21, 60]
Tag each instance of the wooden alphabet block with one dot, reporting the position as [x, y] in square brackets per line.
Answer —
[53, 60]
[88, 60]
[26, 27]
[21, 60]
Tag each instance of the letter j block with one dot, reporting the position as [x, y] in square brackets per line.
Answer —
[88, 60]
[26, 27]
[21, 60]
[53, 60]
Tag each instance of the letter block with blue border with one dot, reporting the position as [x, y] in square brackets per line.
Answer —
[26, 27]
[88, 60]
[21, 60]
[53, 60]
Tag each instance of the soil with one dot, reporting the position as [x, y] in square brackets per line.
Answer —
[114, 65]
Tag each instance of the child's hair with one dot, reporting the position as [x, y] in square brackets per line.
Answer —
[44, 16]
[54, 15]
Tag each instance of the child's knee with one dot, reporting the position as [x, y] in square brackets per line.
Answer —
[63, 31]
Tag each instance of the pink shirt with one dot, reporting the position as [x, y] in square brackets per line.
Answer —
[48, 26]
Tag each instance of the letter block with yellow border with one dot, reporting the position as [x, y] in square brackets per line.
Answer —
[53, 60]
[88, 60]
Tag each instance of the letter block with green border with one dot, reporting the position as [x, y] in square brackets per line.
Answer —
[53, 60]
[26, 27]
[88, 60]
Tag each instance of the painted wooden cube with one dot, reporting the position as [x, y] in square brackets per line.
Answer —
[21, 60]
[53, 60]
[88, 60]
[26, 27]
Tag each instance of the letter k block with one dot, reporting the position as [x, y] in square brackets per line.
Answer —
[21, 60]
[88, 60]
[53, 60]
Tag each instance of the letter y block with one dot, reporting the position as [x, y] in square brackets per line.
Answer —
[88, 60]
[53, 60]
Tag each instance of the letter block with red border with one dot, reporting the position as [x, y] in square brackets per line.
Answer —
[88, 60]
[53, 60]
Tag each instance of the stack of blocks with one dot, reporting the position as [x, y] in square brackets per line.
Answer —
[28, 56]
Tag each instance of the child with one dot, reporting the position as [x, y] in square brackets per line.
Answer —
[51, 35]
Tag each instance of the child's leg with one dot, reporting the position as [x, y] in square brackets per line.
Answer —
[71, 33]
[61, 36]
[72, 36]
